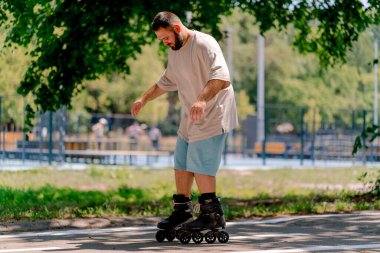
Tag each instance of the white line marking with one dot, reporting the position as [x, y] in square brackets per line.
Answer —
[128, 229]
[28, 249]
[316, 248]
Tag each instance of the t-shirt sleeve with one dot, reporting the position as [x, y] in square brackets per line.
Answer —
[213, 56]
[165, 82]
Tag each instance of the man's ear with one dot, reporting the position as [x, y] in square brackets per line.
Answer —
[177, 28]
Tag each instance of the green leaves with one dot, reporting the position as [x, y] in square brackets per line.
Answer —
[28, 118]
[73, 41]
[371, 131]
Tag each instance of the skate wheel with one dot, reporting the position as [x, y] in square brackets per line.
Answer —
[178, 234]
[223, 237]
[160, 235]
[210, 237]
[197, 237]
[170, 235]
[185, 237]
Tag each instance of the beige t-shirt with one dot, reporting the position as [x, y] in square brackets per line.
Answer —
[188, 71]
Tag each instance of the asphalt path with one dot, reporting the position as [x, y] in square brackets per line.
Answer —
[356, 232]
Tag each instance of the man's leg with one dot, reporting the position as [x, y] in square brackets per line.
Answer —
[204, 160]
[211, 212]
[205, 183]
[183, 210]
[184, 181]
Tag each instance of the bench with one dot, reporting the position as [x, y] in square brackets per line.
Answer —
[11, 139]
[76, 145]
[271, 149]
[282, 149]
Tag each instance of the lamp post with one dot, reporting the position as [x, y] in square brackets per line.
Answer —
[260, 91]
[261, 96]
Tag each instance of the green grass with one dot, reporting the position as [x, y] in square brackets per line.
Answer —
[103, 192]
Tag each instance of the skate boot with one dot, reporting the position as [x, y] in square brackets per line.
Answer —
[211, 218]
[183, 212]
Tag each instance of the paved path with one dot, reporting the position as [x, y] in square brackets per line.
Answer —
[359, 232]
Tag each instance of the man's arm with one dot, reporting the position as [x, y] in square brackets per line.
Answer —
[152, 93]
[209, 91]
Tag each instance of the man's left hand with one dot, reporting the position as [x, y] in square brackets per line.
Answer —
[197, 110]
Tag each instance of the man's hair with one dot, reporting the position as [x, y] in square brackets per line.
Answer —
[164, 19]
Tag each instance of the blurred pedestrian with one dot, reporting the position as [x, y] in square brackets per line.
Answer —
[99, 129]
[134, 132]
[155, 136]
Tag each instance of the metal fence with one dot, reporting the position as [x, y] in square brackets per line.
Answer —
[290, 133]
[307, 133]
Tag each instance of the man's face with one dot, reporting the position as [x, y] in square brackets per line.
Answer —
[170, 37]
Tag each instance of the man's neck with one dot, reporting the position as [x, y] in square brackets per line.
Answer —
[187, 36]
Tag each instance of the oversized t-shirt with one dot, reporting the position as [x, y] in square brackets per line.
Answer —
[188, 71]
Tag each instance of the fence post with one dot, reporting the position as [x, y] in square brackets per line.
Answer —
[364, 139]
[313, 137]
[50, 137]
[62, 123]
[40, 137]
[264, 142]
[23, 136]
[302, 135]
[78, 126]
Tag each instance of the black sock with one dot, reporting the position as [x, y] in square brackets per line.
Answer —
[208, 195]
[180, 198]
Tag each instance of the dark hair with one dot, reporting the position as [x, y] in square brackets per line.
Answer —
[164, 19]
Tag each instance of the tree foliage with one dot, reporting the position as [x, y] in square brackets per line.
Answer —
[77, 40]
[293, 79]
[13, 64]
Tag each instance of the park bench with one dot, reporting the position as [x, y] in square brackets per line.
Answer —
[271, 149]
[282, 149]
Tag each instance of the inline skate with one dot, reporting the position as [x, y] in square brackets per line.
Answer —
[211, 219]
[183, 212]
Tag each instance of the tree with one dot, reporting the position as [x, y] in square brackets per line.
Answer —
[115, 93]
[293, 79]
[78, 40]
[13, 64]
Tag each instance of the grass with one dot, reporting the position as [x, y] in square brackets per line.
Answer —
[103, 192]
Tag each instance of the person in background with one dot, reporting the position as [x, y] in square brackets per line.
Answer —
[155, 136]
[99, 129]
[134, 132]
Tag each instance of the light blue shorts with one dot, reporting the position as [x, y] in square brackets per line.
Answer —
[201, 157]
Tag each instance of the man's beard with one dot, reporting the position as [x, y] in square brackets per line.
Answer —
[178, 41]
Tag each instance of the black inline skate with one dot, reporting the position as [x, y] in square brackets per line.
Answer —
[183, 212]
[211, 219]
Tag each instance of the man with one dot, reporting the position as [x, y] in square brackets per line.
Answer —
[197, 69]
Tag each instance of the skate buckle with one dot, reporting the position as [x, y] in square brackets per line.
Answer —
[197, 208]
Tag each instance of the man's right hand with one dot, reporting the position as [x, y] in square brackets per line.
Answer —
[136, 106]
[149, 95]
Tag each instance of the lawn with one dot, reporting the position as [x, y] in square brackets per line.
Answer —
[123, 191]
